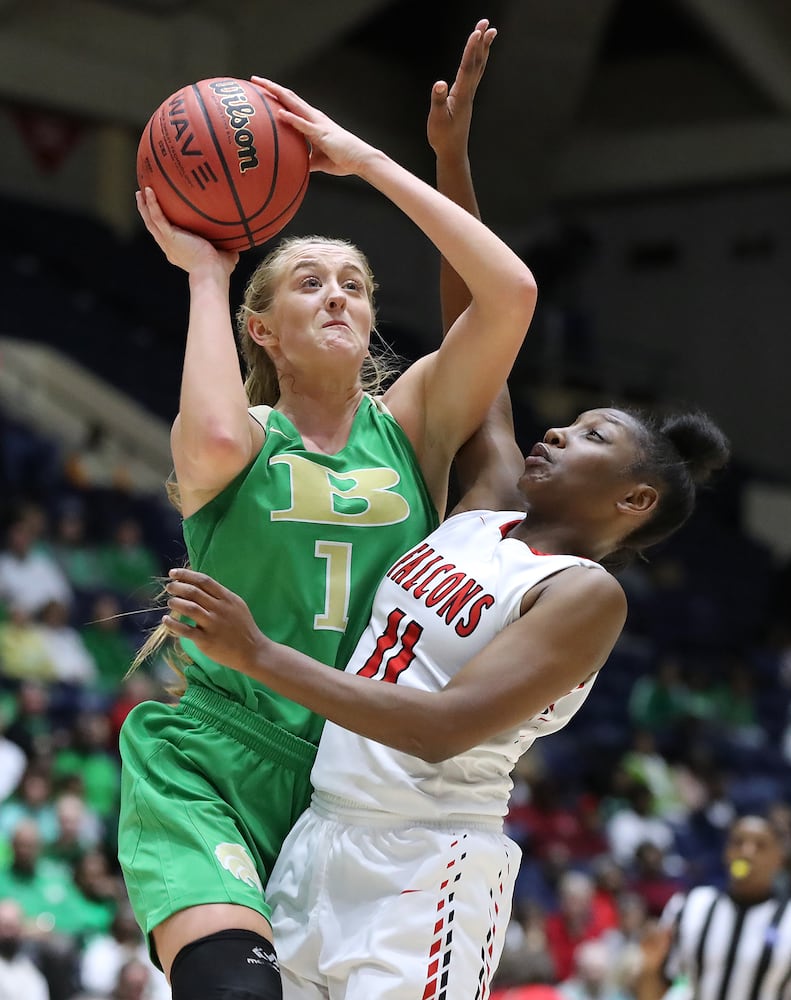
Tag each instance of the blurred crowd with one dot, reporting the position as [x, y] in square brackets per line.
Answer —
[686, 727]
[81, 558]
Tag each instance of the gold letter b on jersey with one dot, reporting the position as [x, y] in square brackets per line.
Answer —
[361, 496]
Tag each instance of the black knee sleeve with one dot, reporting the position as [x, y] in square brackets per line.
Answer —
[228, 965]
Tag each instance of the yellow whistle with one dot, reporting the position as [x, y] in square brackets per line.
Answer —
[740, 868]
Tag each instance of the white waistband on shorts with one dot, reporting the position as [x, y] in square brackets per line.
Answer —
[355, 813]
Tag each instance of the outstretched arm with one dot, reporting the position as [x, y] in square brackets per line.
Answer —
[568, 627]
[448, 130]
[488, 464]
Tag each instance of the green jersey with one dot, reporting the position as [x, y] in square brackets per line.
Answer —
[305, 539]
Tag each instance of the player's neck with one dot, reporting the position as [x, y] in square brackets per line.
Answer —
[323, 419]
[552, 540]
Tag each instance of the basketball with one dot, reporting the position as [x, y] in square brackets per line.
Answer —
[222, 165]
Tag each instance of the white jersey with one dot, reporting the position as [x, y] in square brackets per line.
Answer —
[437, 607]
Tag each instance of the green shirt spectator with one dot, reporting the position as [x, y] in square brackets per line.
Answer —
[130, 566]
[111, 649]
[44, 889]
[657, 702]
[89, 761]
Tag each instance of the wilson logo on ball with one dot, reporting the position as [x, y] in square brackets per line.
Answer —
[239, 111]
[222, 164]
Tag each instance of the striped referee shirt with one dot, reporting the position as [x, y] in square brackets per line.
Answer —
[730, 951]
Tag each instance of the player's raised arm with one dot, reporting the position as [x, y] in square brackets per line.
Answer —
[487, 464]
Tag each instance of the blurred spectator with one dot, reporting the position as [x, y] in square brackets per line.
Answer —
[609, 881]
[737, 716]
[19, 977]
[131, 568]
[109, 645]
[65, 649]
[779, 815]
[658, 701]
[106, 954]
[575, 921]
[592, 975]
[74, 552]
[703, 835]
[133, 982]
[545, 823]
[23, 653]
[526, 957]
[30, 578]
[90, 757]
[651, 880]
[737, 696]
[134, 690]
[692, 768]
[31, 727]
[635, 823]
[703, 697]
[646, 766]
[78, 830]
[36, 521]
[44, 889]
[13, 760]
[97, 896]
[32, 800]
[624, 941]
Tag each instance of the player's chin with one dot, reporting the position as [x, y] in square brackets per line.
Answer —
[535, 475]
[343, 341]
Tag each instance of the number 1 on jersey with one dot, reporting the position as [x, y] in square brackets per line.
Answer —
[338, 585]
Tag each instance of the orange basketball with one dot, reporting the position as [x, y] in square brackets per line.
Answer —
[222, 165]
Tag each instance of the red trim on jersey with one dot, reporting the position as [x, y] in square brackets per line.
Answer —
[505, 528]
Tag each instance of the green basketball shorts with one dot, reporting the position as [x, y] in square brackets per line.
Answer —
[209, 792]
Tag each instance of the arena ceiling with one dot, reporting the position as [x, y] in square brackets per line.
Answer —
[583, 98]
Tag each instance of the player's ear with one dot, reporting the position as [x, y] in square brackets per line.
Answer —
[259, 332]
[641, 499]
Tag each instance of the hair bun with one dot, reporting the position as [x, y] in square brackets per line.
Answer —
[699, 442]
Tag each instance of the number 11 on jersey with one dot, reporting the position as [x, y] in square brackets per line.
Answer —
[387, 641]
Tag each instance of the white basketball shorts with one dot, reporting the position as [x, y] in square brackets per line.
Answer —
[367, 909]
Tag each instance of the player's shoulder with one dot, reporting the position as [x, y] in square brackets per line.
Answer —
[588, 580]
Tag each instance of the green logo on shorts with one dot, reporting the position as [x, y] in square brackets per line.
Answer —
[235, 859]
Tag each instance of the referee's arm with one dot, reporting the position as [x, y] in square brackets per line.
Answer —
[651, 983]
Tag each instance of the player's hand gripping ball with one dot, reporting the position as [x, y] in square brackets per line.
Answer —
[222, 165]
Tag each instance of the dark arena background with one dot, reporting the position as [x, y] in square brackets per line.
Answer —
[637, 155]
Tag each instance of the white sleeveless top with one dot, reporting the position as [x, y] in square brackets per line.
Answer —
[437, 607]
